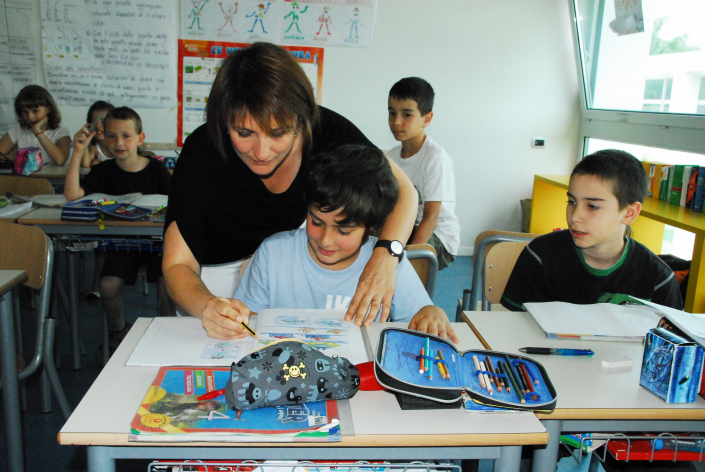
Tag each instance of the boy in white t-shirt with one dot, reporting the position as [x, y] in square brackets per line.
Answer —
[428, 166]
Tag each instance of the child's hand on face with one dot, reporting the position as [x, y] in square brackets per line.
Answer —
[82, 138]
[40, 125]
[431, 319]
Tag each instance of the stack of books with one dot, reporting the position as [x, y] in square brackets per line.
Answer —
[680, 185]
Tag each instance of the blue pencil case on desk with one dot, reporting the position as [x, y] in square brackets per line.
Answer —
[125, 211]
[80, 211]
[398, 368]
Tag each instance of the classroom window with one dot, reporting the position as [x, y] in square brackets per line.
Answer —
[676, 241]
[664, 60]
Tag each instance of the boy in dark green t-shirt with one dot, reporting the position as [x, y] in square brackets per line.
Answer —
[595, 260]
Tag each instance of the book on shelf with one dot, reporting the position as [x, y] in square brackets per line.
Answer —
[665, 178]
[675, 186]
[698, 199]
[692, 186]
[171, 412]
[684, 186]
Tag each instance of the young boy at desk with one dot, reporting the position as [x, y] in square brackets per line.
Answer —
[427, 164]
[595, 260]
[127, 173]
[351, 191]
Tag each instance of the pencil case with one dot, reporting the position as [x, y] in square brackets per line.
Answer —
[398, 362]
[80, 211]
[125, 211]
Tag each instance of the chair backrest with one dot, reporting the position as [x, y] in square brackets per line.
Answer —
[25, 248]
[25, 186]
[425, 262]
[499, 263]
[484, 243]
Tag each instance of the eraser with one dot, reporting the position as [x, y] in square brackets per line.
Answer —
[619, 361]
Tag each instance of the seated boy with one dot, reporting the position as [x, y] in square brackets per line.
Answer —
[351, 191]
[127, 173]
[428, 166]
[595, 260]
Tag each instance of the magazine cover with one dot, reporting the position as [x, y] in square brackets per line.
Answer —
[171, 412]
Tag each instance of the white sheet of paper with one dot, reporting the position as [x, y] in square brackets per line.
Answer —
[151, 201]
[59, 200]
[692, 323]
[183, 341]
[601, 319]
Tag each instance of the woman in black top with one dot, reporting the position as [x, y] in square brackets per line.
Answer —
[239, 179]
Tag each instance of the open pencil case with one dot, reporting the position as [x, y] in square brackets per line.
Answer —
[82, 210]
[398, 361]
[125, 211]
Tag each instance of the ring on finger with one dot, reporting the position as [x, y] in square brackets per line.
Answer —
[379, 302]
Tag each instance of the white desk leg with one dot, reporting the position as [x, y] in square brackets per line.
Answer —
[10, 386]
[71, 257]
[546, 459]
[100, 460]
[509, 459]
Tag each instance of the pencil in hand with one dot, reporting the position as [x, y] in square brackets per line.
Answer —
[249, 330]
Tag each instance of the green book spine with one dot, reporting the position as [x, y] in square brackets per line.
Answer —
[663, 192]
[676, 185]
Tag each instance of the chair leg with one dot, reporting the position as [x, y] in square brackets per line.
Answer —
[50, 368]
[106, 346]
[54, 310]
[81, 272]
[44, 392]
[18, 341]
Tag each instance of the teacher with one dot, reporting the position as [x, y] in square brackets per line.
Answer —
[240, 179]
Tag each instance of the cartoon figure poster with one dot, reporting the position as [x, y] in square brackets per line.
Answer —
[199, 62]
[304, 22]
[171, 412]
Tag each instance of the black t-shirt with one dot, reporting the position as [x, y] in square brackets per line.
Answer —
[107, 177]
[223, 209]
[552, 269]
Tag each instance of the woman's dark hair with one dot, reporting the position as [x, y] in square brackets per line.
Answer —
[99, 105]
[355, 179]
[621, 170]
[266, 82]
[36, 95]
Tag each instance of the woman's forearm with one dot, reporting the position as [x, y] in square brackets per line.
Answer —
[400, 222]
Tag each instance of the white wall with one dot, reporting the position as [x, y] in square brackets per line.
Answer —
[503, 72]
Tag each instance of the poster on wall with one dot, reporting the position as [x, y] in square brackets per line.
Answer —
[199, 62]
[304, 22]
[18, 58]
[119, 51]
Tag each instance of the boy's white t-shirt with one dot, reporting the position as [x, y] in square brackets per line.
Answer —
[24, 137]
[432, 172]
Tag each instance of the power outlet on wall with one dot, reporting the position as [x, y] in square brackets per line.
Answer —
[538, 142]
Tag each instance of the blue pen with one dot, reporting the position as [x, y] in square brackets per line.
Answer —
[557, 351]
[428, 350]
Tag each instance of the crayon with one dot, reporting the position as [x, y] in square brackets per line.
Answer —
[479, 376]
[510, 374]
[444, 366]
[421, 363]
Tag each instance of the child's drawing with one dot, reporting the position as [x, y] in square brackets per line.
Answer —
[329, 323]
[228, 15]
[354, 21]
[259, 15]
[324, 20]
[294, 14]
[196, 12]
[291, 321]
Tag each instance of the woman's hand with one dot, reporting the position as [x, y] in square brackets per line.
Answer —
[432, 320]
[375, 289]
[221, 318]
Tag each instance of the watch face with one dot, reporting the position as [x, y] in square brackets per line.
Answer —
[397, 247]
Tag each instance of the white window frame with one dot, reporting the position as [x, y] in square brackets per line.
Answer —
[660, 130]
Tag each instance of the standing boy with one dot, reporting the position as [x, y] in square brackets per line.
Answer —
[319, 266]
[595, 260]
[127, 173]
[428, 166]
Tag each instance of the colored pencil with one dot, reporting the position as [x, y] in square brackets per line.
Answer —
[440, 368]
[501, 379]
[501, 371]
[479, 376]
[510, 374]
[445, 366]
[428, 353]
[249, 330]
[532, 379]
[526, 374]
[421, 363]
[488, 362]
[522, 380]
[487, 378]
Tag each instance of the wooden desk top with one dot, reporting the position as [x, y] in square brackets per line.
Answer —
[55, 172]
[585, 389]
[124, 387]
[52, 216]
[11, 278]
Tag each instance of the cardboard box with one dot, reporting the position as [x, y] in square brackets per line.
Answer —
[672, 366]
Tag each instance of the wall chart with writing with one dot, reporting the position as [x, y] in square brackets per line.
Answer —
[305, 22]
[17, 56]
[122, 51]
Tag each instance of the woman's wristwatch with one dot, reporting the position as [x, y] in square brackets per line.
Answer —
[395, 248]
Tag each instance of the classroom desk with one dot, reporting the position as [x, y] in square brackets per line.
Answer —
[49, 220]
[590, 397]
[8, 370]
[56, 175]
[374, 429]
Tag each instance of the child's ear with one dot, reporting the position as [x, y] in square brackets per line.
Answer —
[633, 210]
[140, 139]
[427, 119]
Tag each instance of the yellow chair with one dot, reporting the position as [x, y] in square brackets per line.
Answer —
[28, 248]
[494, 257]
[25, 186]
[425, 262]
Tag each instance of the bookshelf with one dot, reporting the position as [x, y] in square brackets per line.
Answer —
[548, 212]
